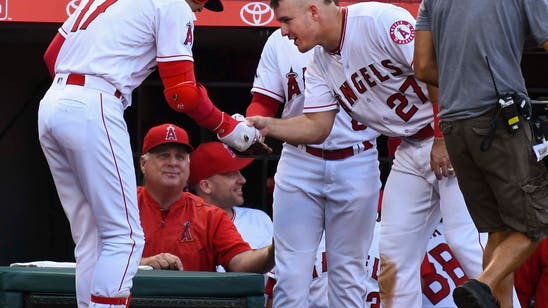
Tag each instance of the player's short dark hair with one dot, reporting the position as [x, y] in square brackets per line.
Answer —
[275, 3]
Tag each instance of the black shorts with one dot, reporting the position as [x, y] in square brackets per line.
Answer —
[505, 188]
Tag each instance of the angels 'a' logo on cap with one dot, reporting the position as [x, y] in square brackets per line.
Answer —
[170, 134]
[402, 32]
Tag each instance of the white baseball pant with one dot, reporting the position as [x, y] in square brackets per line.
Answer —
[310, 195]
[85, 140]
[413, 203]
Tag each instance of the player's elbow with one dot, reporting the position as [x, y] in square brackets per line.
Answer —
[320, 125]
[426, 75]
[310, 134]
[425, 71]
[420, 70]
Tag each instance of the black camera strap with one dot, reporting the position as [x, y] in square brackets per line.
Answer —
[488, 139]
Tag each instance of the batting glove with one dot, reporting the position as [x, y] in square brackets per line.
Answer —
[241, 137]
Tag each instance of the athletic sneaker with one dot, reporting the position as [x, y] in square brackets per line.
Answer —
[474, 294]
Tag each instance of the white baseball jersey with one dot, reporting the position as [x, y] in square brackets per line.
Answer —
[313, 195]
[135, 35]
[372, 68]
[275, 62]
[254, 225]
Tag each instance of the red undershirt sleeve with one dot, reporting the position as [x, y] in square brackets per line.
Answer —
[262, 105]
[50, 56]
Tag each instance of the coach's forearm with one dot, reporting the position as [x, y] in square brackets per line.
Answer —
[253, 261]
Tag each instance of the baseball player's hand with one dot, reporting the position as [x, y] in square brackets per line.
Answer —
[261, 123]
[245, 139]
[165, 261]
[440, 163]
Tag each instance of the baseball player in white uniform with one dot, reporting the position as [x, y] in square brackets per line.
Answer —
[331, 187]
[363, 64]
[100, 54]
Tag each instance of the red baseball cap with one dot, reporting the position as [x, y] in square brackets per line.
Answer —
[214, 157]
[165, 133]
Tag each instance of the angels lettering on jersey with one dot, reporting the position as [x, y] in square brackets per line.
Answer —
[367, 77]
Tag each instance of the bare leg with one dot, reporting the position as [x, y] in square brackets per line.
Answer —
[504, 253]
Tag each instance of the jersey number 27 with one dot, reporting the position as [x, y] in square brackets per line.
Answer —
[399, 100]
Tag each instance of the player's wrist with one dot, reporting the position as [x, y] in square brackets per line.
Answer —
[226, 125]
[435, 110]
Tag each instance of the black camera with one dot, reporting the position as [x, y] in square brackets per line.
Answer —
[510, 112]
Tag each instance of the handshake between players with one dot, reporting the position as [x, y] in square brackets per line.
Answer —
[244, 138]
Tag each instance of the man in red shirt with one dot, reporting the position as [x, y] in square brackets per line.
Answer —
[182, 232]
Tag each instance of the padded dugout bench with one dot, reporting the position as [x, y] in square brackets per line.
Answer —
[39, 287]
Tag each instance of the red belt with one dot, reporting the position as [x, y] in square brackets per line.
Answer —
[80, 80]
[423, 133]
[336, 154]
[111, 300]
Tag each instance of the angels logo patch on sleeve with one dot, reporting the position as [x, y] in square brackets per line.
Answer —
[402, 32]
[189, 32]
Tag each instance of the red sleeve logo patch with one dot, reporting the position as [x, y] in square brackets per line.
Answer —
[402, 32]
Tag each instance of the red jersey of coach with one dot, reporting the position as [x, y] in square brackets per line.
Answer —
[201, 235]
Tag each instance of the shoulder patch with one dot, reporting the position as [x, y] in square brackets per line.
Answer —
[402, 32]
